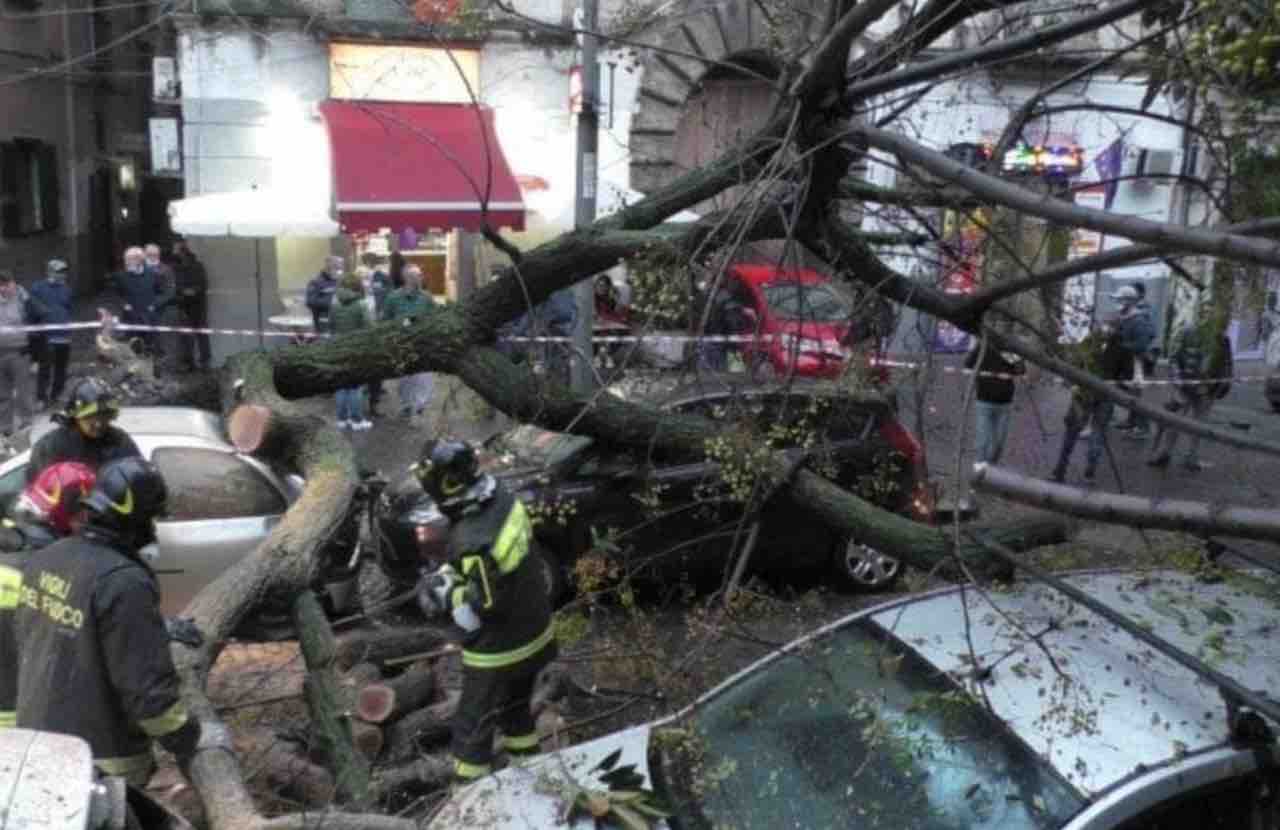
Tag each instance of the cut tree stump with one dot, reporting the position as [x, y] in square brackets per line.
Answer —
[368, 739]
[420, 731]
[392, 699]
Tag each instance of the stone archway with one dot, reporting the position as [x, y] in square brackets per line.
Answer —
[721, 35]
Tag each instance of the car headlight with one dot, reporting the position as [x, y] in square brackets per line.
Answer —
[794, 342]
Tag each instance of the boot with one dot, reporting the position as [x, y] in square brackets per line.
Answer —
[1090, 471]
[1059, 474]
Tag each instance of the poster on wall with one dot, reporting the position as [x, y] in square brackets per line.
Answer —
[1079, 292]
[962, 264]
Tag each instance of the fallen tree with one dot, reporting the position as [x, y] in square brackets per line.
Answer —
[806, 148]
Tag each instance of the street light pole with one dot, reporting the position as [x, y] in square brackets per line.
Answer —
[585, 191]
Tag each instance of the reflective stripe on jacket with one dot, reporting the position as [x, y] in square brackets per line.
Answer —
[10, 591]
[495, 552]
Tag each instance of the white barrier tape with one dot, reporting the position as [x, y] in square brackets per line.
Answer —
[631, 338]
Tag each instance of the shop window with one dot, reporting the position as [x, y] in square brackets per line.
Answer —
[28, 187]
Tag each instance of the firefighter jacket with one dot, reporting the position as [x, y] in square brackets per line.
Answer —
[95, 654]
[494, 551]
[10, 590]
[66, 443]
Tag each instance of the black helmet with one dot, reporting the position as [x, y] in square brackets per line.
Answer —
[91, 396]
[448, 471]
[130, 493]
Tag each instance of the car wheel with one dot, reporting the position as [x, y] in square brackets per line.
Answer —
[553, 580]
[864, 568]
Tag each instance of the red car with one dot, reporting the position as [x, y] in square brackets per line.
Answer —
[803, 324]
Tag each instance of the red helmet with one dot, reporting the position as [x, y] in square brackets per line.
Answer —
[53, 498]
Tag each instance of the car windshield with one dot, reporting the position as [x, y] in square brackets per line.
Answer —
[855, 730]
[537, 447]
[814, 302]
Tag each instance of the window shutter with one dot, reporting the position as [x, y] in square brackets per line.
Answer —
[10, 217]
[50, 193]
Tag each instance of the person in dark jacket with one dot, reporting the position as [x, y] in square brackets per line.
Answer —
[46, 511]
[1144, 356]
[493, 589]
[321, 292]
[191, 290]
[95, 658]
[51, 306]
[995, 385]
[85, 432]
[1204, 369]
[349, 314]
[145, 293]
[1108, 354]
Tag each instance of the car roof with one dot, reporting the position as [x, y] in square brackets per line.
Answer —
[761, 274]
[1138, 708]
[155, 420]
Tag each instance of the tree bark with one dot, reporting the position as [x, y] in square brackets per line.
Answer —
[1199, 518]
[421, 731]
[382, 644]
[283, 768]
[330, 721]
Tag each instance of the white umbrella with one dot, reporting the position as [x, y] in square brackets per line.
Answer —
[254, 214]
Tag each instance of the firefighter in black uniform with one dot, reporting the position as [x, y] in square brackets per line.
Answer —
[46, 511]
[85, 432]
[95, 656]
[494, 591]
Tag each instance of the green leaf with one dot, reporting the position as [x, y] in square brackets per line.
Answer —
[1218, 614]
[609, 760]
[629, 818]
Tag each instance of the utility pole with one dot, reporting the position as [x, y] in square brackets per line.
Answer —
[585, 191]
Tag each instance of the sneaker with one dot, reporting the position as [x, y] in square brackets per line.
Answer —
[344, 424]
[1090, 473]
[1058, 476]
[361, 426]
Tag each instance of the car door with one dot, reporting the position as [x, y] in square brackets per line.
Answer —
[219, 508]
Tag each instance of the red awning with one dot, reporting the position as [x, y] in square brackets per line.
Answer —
[404, 165]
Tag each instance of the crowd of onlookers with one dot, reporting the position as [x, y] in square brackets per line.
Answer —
[33, 364]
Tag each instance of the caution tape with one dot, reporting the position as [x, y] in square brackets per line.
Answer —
[829, 346]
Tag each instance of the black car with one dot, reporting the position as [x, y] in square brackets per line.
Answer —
[678, 517]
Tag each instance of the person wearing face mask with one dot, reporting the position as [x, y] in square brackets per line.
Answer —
[143, 290]
[85, 432]
[51, 306]
[14, 356]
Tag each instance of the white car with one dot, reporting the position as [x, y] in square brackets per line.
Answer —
[953, 709]
[221, 505]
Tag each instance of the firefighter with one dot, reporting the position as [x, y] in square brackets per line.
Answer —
[47, 510]
[493, 589]
[85, 432]
[95, 658]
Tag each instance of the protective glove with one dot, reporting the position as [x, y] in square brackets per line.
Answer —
[465, 617]
[183, 631]
[433, 590]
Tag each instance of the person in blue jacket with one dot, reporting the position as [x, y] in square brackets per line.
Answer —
[50, 302]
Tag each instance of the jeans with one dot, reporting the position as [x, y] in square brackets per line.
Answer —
[1167, 439]
[991, 430]
[1077, 419]
[350, 403]
[15, 368]
[196, 316]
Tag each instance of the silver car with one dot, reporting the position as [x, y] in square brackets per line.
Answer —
[221, 503]
[954, 709]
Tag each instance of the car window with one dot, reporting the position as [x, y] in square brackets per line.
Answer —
[806, 301]
[856, 724]
[210, 484]
[11, 484]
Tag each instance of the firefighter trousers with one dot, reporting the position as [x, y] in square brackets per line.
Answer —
[493, 699]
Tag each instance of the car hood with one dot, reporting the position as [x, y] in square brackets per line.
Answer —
[46, 780]
[536, 795]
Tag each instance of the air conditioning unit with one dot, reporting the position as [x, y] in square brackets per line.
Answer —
[1142, 162]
